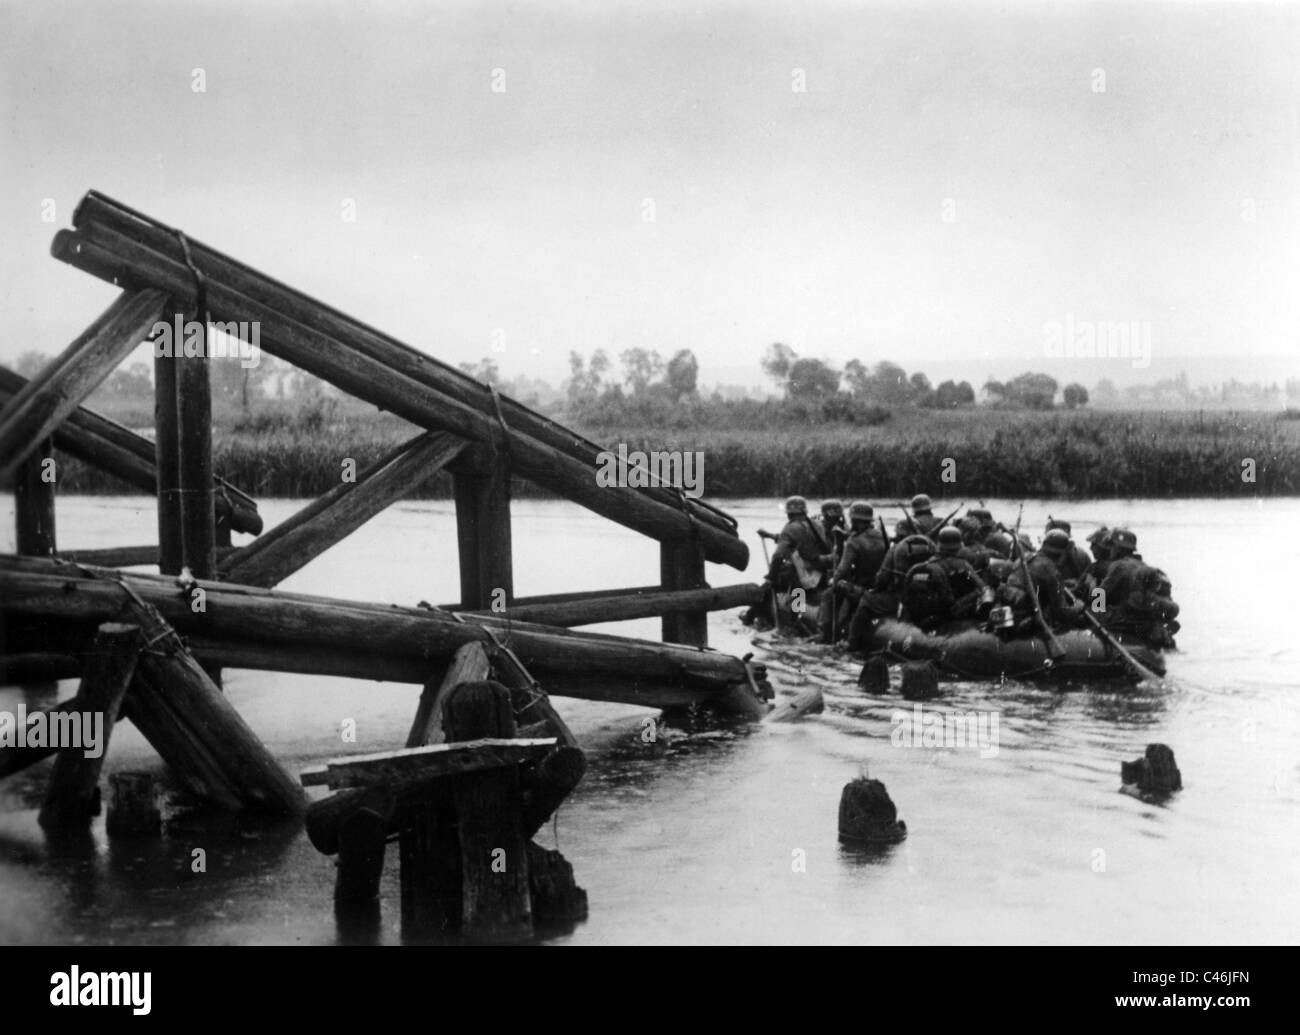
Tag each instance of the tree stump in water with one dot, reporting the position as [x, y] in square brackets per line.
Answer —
[868, 815]
[1155, 774]
[874, 678]
[920, 681]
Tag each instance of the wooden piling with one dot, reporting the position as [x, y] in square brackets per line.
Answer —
[681, 567]
[493, 846]
[194, 416]
[34, 491]
[362, 836]
[72, 794]
[483, 532]
[167, 469]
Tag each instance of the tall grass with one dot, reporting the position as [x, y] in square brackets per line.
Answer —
[994, 454]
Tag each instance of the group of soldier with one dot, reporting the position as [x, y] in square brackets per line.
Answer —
[935, 571]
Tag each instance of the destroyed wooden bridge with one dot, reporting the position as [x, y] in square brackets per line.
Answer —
[151, 647]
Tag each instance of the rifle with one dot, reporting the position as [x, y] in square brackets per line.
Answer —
[947, 519]
[1139, 669]
[1054, 649]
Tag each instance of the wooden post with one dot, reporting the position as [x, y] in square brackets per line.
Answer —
[483, 531]
[34, 502]
[167, 466]
[489, 805]
[468, 665]
[362, 835]
[72, 795]
[681, 566]
[194, 415]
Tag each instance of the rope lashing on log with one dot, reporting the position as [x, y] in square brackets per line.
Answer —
[534, 689]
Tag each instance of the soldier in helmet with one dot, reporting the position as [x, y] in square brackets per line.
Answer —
[921, 522]
[1137, 597]
[1047, 584]
[831, 520]
[972, 544]
[942, 587]
[801, 539]
[1076, 561]
[886, 593]
[984, 519]
[864, 552]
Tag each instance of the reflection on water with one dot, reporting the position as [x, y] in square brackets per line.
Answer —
[694, 836]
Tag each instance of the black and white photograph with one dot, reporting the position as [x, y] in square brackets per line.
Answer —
[681, 473]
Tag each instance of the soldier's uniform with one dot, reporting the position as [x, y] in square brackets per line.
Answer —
[1045, 576]
[883, 598]
[1075, 561]
[921, 522]
[1137, 596]
[799, 536]
[863, 554]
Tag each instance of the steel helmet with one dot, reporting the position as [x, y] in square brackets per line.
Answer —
[1123, 539]
[796, 505]
[949, 539]
[921, 504]
[1056, 542]
[917, 548]
[1058, 523]
[831, 505]
[861, 511]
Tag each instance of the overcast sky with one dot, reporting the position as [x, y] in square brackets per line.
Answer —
[952, 177]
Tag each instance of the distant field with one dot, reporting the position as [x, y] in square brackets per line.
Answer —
[997, 453]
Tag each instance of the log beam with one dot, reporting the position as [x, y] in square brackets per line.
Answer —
[340, 512]
[47, 400]
[34, 487]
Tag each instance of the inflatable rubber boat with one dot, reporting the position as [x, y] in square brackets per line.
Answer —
[966, 651]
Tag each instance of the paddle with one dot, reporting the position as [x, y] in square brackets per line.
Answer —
[1054, 649]
[1139, 669]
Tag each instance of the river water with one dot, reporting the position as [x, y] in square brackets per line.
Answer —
[727, 836]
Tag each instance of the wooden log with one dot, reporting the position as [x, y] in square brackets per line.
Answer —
[432, 900]
[345, 365]
[417, 765]
[568, 663]
[620, 606]
[340, 512]
[23, 669]
[194, 418]
[483, 534]
[553, 780]
[115, 225]
[197, 731]
[47, 400]
[362, 837]
[681, 567]
[469, 665]
[167, 465]
[124, 556]
[489, 813]
[72, 795]
[806, 702]
[569, 598]
[132, 804]
[34, 503]
[104, 444]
